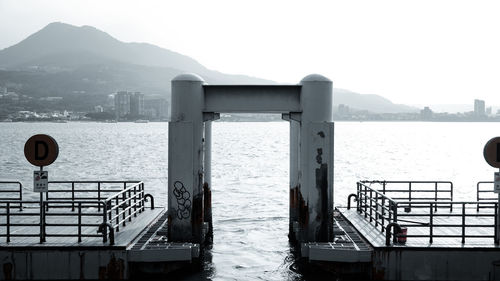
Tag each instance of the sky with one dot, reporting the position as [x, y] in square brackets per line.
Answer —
[411, 52]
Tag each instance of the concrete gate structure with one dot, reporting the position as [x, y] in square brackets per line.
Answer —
[308, 108]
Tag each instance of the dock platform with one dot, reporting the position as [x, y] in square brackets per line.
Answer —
[84, 230]
[423, 234]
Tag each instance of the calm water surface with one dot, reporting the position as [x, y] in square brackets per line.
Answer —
[250, 173]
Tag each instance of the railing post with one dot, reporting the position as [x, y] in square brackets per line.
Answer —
[79, 222]
[496, 224]
[431, 224]
[383, 186]
[366, 201]
[42, 218]
[436, 193]
[129, 205]
[383, 212]
[451, 195]
[117, 208]
[409, 196]
[463, 223]
[8, 222]
[371, 205]
[395, 215]
[358, 191]
[124, 205]
[477, 196]
[376, 209]
[73, 196]
[98, 195]
[135, 200]
[105, 222]
[142, 197]
[20, 196]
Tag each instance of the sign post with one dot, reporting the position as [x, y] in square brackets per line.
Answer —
[491, 154]
[41, 150]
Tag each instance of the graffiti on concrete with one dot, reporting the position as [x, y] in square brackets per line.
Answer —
[183, 200]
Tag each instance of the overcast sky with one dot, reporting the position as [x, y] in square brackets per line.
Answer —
[413, 52]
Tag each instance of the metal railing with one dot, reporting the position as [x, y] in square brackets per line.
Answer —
[411, 191]
[377, 207]
[9, 193]
[88, 217]
[84, 190]
[482, 193]
[386, 212]
[455, 225]
[124, 205]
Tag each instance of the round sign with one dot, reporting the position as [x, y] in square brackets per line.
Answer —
[492, 152]
[41, 150]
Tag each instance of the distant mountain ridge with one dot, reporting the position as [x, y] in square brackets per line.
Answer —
[62, 58]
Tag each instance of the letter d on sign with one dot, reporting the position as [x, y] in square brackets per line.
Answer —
[38, 155]
[41, 150]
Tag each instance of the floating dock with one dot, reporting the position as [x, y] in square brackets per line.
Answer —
[421, 235]
[85, 230]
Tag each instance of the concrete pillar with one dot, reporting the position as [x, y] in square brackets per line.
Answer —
[294, 177]
[207, 184]
[316, 160]
[185, 160]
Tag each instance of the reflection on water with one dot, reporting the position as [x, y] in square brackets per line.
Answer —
[250, 175]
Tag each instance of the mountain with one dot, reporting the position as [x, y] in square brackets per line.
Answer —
[65, 60]
[373, 103]
[61, 46]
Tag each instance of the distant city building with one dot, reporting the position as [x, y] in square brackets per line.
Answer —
[122, 104]
[488, 110]
[426, 113]
[129, 105]
[479, 108]
[156, 109]
[136, 104]
[343, 110]
[98, 109]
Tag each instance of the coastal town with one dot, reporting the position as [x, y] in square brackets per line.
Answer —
[123, 106]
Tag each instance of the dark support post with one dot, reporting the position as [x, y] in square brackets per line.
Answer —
[451, 205]
[129, 205]
[383, 212]
[436, 193]
[73, 196]
[371, 205]
[98, 195]
[117, 208]
[463, 223]
[376, 209]
[431, 223]
[105, 222]
[8, 222]
[135, 200]
[20, 197]
[124, 205]
[79, 222]
[496, 223]
[409, 197]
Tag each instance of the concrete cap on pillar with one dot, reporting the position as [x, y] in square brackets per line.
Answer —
[188, 77]
[315, 78]
[316, 98]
